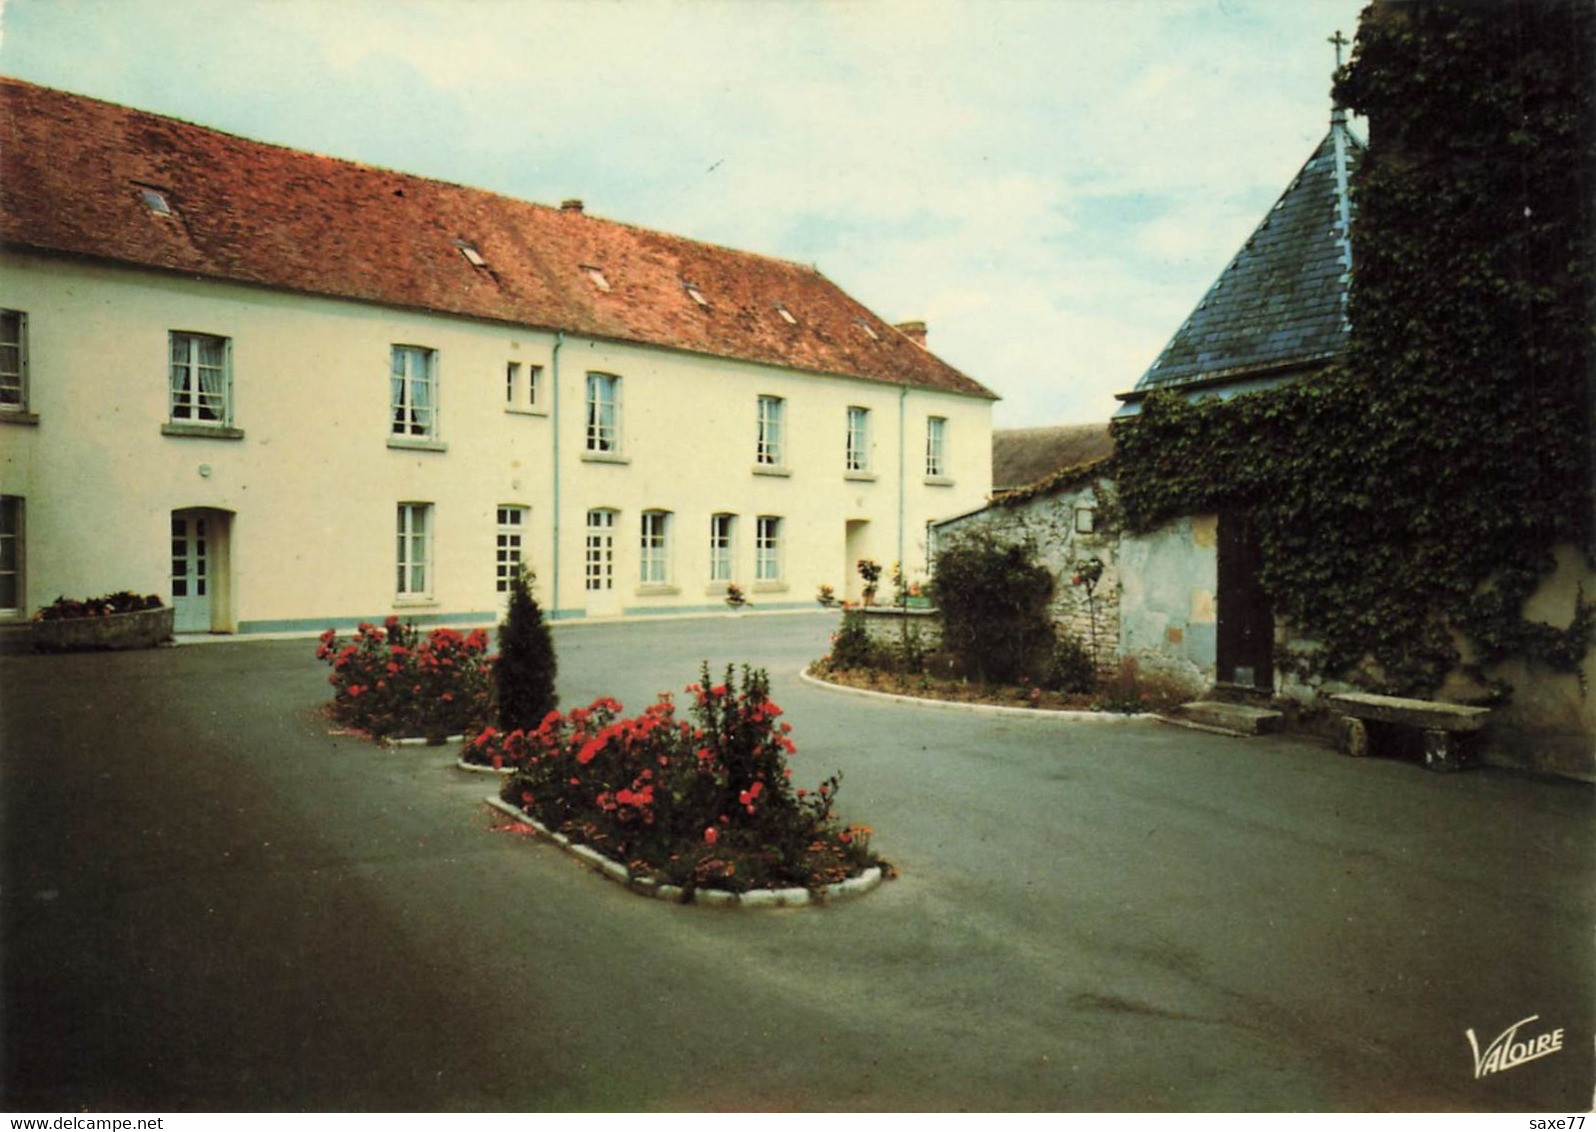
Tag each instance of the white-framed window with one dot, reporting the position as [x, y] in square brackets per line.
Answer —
[200, 384]
[414, 392]
[767, 549]
[13, 361]
[936, 446]
[599, 568]
[722, 546]
[522, 386]
[508, 551]
[603, 412]
[769, 448]
[415, 550]
[12, 600]
[858, 439]
[654, 549]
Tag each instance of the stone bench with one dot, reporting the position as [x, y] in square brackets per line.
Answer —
[1442, 724]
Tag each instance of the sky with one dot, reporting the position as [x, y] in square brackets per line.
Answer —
[1051, 185]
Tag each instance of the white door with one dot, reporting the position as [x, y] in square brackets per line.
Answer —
[599, 565]
[191, 596]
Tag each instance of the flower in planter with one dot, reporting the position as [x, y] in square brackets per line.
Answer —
[735, 597]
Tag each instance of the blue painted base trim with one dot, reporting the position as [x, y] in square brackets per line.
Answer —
[317, 624]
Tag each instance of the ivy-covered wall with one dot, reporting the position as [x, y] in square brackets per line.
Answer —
[1424, 506]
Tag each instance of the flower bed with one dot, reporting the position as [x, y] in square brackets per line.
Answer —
[705, 802]
[390, 681]
[122, 620]
[1125, 695]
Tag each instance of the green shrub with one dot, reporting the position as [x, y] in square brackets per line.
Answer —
[525, 671]
[1070, 668]
[851, 646]
[994, 600]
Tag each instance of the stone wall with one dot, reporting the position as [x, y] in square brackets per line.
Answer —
[1052, 522]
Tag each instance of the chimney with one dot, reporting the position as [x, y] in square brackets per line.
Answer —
[572, 205]
[914, 331]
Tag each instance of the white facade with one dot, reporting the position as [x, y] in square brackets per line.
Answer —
[287, 505]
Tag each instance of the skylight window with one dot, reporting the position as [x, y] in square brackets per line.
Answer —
[155, 200]
[868, 329]
[695, 294]
[473, 257]
[597, 277]
[781, 309]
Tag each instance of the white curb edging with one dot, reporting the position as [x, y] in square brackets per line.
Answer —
[423, 741]
[478, 768]
[1068, 716]
[644, 886]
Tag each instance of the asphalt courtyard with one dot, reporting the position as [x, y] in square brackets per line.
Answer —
[209, 901]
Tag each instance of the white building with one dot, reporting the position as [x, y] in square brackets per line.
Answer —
[286, 391]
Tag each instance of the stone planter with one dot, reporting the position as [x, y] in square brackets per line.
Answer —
[142, 629]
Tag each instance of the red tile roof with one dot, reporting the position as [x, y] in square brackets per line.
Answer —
[71, 169]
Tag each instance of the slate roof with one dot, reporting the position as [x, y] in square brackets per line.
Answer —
[71, 171]
[1024, 456]
[1281, 302]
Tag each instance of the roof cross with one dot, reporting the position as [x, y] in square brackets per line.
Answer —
[1339, 41]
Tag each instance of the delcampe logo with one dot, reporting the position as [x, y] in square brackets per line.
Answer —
[1507, 1051]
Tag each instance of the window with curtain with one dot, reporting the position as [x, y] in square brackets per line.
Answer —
[654, 549]
[603, 413]
[13, 361]
[200, 386]
[767, 549]
[721, 529]
[768, 451]
[936, 446]
[414, 392]
[858, 439]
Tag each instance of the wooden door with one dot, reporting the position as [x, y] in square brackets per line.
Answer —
[1246, 630]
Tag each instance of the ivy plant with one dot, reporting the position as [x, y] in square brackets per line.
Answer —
[1411, 494]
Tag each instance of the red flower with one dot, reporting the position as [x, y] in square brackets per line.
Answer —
[711, 835]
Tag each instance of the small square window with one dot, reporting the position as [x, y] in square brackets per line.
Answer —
[1085, 520]
[522, 386]
[155, 200]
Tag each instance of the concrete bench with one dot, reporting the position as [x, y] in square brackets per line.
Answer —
[1442, 724]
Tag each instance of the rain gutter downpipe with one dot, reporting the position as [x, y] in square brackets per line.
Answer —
[903, 468]
[554, 412]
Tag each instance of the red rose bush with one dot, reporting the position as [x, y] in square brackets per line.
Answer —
[391, 681]
[702, 801]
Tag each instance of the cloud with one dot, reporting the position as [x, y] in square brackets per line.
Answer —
[1052, 185]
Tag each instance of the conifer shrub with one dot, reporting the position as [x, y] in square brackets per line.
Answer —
[524, 674]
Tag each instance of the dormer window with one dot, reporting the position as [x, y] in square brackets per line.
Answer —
[473, 257]
[781, 309]
[596, 276]
[155, 200]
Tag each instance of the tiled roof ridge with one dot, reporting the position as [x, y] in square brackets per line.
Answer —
[356, 163]
[232, 233]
